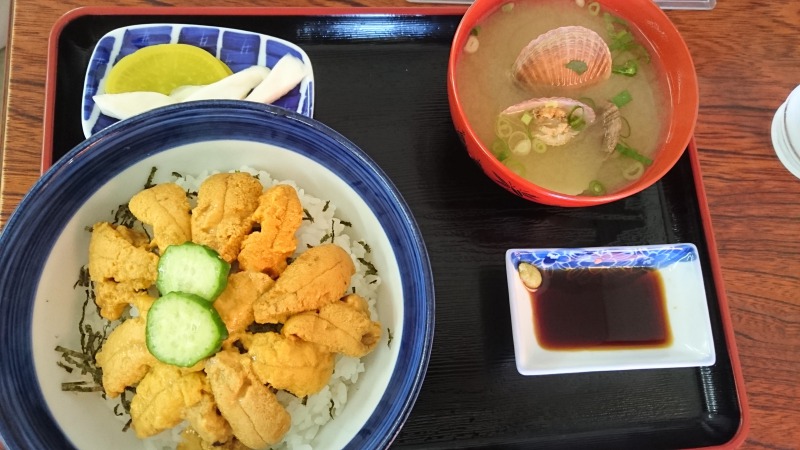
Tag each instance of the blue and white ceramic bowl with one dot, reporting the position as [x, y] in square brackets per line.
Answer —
[237, 48]
[45, 242]
[685, 307]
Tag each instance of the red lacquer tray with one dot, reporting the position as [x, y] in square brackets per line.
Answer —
[380, 81]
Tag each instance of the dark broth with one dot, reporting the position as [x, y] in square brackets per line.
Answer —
[601, 308]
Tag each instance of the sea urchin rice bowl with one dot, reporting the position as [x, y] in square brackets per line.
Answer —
[320, 225]
[86, 419]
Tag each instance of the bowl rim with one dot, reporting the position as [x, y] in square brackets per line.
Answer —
[93, 162]
[682, 83]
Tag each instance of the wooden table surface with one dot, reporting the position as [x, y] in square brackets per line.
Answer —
[747, 54]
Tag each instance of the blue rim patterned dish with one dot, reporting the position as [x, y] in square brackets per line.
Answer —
[686, 305]
[237, 48]
[46, 236]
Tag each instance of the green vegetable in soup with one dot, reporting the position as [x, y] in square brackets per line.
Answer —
[500, 150]
[596, 188]
[539, 146]
[588, 101]
[629, 68]
[515, 166]
[575, 118]
[622, 40]
[577, 66]
[625, 132]
[622, 99]
[629, 152]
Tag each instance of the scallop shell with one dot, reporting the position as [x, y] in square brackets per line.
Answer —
[544, 60]
[549, 118]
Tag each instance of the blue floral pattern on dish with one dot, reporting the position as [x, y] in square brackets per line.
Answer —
[236, 48]
[655, 256]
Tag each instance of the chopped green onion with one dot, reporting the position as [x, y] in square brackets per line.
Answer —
[577, 66]
[594, 8]
[519, 143]
[629, 68]
[596, 188]
[500, 150]
[539, 146]
[526, 118]
[508, 7]
[612, 21]
[515, 166]
[503, 128]
[622, 40]
[475, 30]
[622, 99]
[472, 44]
[624, 150]
[575, 118]
[588, 101]
[634, 171]
[625, 132]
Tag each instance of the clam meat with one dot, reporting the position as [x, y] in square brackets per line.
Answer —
[569, 56]
[553, 120]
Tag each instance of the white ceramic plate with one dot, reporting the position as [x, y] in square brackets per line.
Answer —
[237, 48]
[692, 342]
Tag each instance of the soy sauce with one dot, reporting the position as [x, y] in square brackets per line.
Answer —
[601, 308]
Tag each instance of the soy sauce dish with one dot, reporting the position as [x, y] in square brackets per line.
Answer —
[608, 308]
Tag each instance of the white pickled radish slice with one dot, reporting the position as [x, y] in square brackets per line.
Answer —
[128, 104]
[232, 87]
[181, 92]
[286, 74]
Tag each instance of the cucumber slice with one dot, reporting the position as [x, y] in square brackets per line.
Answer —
[194, 269]
[182, 329]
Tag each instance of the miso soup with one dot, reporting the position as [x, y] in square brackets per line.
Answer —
[608, 147]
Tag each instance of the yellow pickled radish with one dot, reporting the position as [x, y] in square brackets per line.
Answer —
[164, 67]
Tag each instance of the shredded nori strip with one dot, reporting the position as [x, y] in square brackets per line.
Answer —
[83, 278]
[177, 175]
[371, 270]
[91, 341]
[124, 216]
[366, 246]
[390, 337]
[149, 183]
[325, 208]
[346, 223]
[307, 216]
[80, 386]
[330, 409]
[239, 346]
[256, 328]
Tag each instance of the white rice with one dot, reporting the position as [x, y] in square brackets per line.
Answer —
[320, 408]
